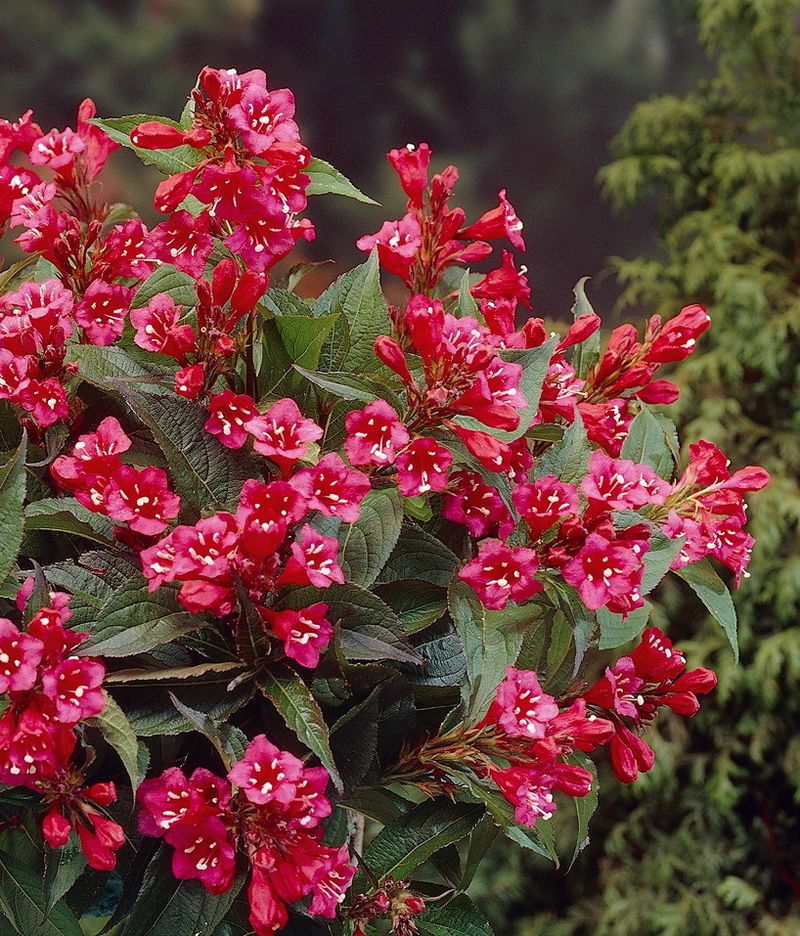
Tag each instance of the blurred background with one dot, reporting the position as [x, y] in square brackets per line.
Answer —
[696, 188]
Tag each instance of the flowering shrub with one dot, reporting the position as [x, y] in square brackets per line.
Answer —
[326, 562]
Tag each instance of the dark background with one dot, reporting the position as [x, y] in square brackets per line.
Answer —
[522, 94]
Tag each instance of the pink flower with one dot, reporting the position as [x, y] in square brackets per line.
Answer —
[499, 222]
[283, 434]
[229, 414]
[506, 282]
[397, 243]
[411, 164]
[266, 774]
[313, 561]
[530, 788]
[374, 435]
[607, 424]
[189, 381]
[520, 707]
[184, 241]
[305, 633]
[101, 313]
[142, 499]
[204, 851]
[331, 883]
[619, 484]
[477, 506]
[45, 400]
[629, 754]
[677, 338]
[74, 686]
[127, 251]
[544, 502]
[422, 467]
[499, 574]
[605, 569]
[333, 488]
[20, 656]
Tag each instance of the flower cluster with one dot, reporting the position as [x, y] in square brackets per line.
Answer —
[48, 692]
[269, 809]
[635, 687]
[521, 748]
[96, 475]
[249, 175]
[393, 900]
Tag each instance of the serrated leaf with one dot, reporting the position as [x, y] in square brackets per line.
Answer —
[166, 906]
[119, 733]
[646, 444]
[585, 806]
[367, 544]
[23, 903]
[413, 838]
[616, 630]
[567, 459]
[169, 161]
[290, 340]
[12, 497]
[101, 367]
[303, 716]
[152, 713]
[200, 673]
[712, 591]
[63, 867]
[66, 515]
[492, 641]
[168, 281]
[205, 473]
[325, 180]
[351, 386]
[357, 294]
[455, 917]
[420, 555]
[229, 742]
[134, 620]
[417, 603]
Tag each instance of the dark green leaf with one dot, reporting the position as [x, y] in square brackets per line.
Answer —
[567, 459]
[63, 867]
[169, 161]
[66, 515]
[367, 544]
[168, 281]
[12, 497]
[119, 733]
[102, 367]
[419, 555]
[417, 603]
[299, 709]
[646, 444]
[23, 903]
[455, 917]
[616, 631]
[229, 742]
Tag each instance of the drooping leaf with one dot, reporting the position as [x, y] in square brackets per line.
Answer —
[12, 497]
[367, 544]
[228, 740]
[119, 733]
[416, 836]
[419, 555]
[455, 917]
[66, 515]
[23, 904]
[299, 709]
[63, 867]
[325, 180]
[153, 713]
[712, 591]
[585, 806]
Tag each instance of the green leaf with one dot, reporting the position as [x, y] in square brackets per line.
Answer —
[63, 867]
[714, 594]
[370, 630]
[169, 281]
[299, 709]
[229, 742]
[66, 515]
[290, 340]
[413, 838]
[586, 354]
[585, 806]
[358, 296]
[646, 444]
[567, 459]
[12, 497]
[455, 917]
[119, 733]
[492, 641]
[169, 161]
[153, 713]
[367, 544]
[534, 363]
[417, 603]
[616, 630]
[351, 387]
[420, 555]
[166, 906]
[105, 367]
[23, 903]
[325, 180]
[133, 620]
[205, 473]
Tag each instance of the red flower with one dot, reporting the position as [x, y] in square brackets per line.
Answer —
[333, 488]
[74, 687]
[374, 435]
[499, 574]
[675, 340]
[229, 414]
[544, 502]
[520, 707]
[422, 468]
[101, 313]
[477, 506]
[20, 656]
[605, 569]
[184, 241]
[189, 381]
[305, 633]
[142, 499]
[619, 484]
[266, 774]
[313, 561]
[411, 164]
[158, 329]
[283, 434]
[499, 222]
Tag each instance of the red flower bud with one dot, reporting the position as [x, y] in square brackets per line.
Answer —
[154, 135]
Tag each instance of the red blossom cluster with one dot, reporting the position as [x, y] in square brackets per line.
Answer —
[249, 177]
[96, 475]
[48, 691]
[635, 687]
[393, 900]
[269, 809]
